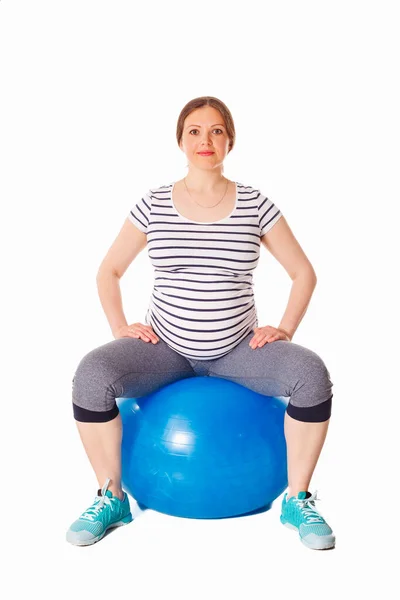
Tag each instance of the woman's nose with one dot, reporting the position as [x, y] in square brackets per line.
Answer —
[205, 139]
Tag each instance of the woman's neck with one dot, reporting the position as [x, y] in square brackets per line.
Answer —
[205, 182]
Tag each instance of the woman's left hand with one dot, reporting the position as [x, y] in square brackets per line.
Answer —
[266, 335]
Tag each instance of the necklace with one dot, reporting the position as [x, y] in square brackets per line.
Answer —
[219, 201]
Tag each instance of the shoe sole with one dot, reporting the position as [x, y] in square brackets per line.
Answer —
[321, 546]
[76, 542]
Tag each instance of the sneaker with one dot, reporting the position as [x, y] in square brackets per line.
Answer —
[300, 514]
[106, 512]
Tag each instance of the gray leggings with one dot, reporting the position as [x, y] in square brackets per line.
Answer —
[131, 368]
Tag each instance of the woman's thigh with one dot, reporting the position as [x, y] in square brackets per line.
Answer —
[280, 368]
[123, 368]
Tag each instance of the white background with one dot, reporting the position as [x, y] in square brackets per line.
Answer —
[90, 96]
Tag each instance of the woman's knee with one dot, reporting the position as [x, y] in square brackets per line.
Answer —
[316, 373]
[93, 395]
[311, 399]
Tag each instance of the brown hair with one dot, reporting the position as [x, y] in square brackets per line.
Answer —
[207, 101]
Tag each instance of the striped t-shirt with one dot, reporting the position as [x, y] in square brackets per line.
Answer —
[202, 303]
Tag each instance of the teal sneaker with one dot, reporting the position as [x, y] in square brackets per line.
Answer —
[106, 512]
[300, 514]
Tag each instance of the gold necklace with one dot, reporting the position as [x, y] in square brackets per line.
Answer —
[219, 201]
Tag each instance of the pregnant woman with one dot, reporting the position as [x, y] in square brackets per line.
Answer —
[203, 236]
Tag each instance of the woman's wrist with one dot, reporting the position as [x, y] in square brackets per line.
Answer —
[286, 332]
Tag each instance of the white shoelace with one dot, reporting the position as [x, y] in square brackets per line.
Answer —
[92, 513]
[307, 507]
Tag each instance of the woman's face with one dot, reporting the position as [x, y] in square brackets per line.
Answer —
[204, 131]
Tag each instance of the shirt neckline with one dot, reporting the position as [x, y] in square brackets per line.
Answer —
[204, 222]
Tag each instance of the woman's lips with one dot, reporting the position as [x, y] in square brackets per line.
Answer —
[205, 153]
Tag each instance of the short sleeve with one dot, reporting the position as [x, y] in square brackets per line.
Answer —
[139, 214]
[268, 214]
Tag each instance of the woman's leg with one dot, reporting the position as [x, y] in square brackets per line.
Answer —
[304, 443]
[286, 369]
[122, 368]
[102, 443]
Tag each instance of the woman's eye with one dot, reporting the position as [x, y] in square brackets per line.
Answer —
[213, 130]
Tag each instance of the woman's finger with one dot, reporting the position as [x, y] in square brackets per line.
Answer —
[138, 333]
[138, 328]
[146, 333]
[256, 341]
[151, 333]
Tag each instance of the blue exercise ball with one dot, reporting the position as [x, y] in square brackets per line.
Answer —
[203, 447]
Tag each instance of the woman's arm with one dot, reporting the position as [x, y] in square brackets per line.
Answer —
[284, 247]
[300, 295]
[127, 245]
[109, 291]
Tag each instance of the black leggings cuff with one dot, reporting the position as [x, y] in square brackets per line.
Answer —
[93, 416]
[311, 414]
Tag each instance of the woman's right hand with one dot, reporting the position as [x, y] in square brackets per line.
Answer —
[137, 330]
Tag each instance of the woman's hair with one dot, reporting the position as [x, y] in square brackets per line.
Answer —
[207, 101]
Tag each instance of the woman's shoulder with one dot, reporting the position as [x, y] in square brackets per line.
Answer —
[161, 188]
[250, 191]
[245, 189]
